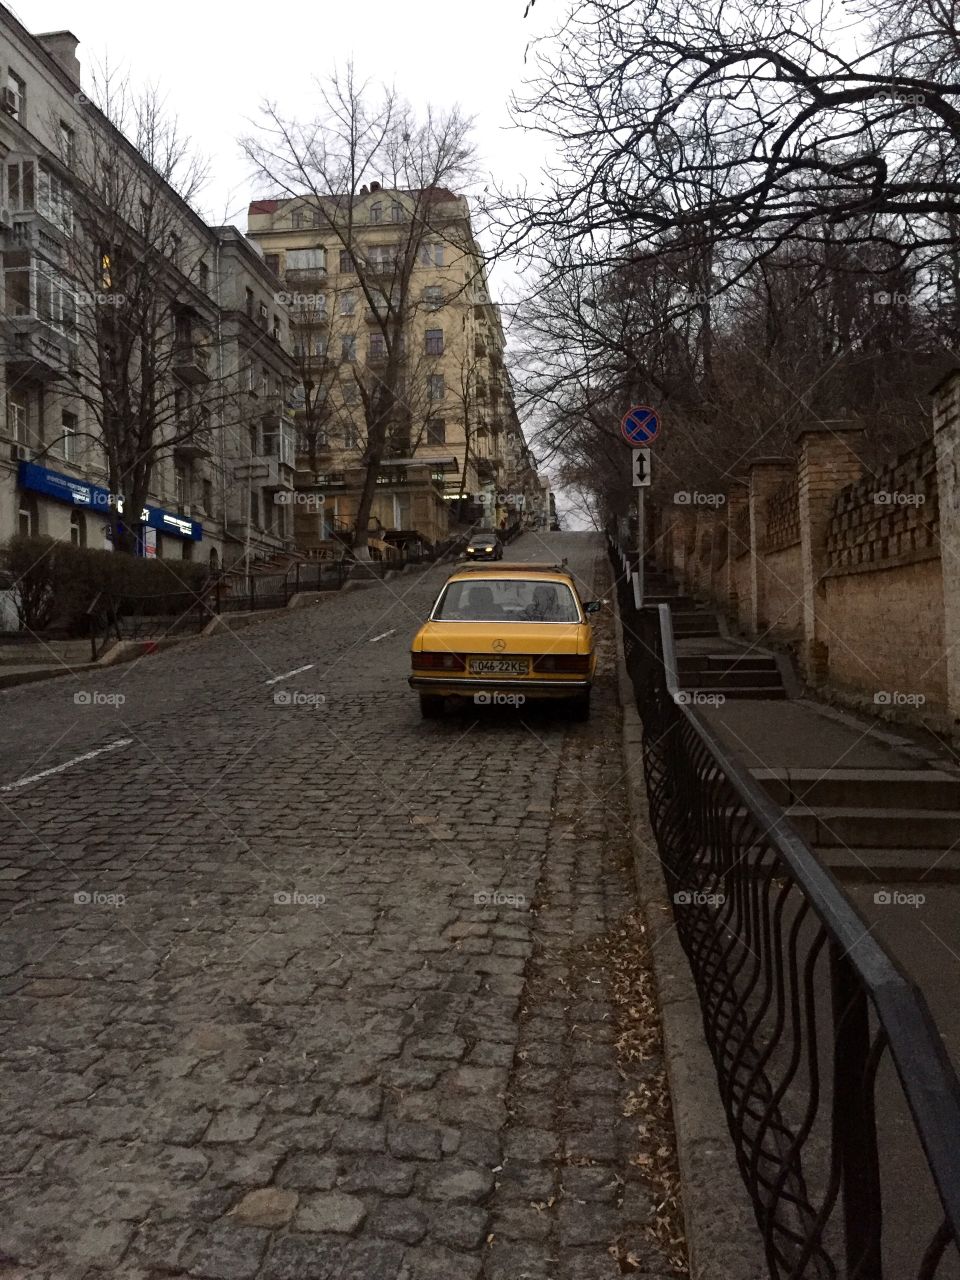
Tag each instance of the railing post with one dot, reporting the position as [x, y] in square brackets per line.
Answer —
[854, 1121]
[253, 604]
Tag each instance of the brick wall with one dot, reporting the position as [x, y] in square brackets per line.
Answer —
[782, 592]
[889, 518]
[782, 526]
[885, 632]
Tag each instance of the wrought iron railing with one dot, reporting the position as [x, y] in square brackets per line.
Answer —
[842, 1103]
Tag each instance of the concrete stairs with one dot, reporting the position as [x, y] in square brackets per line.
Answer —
[900, 823]
[735, 675]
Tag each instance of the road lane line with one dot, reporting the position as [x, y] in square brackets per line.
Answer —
[68, 764]
[288, 674]
[374, 639]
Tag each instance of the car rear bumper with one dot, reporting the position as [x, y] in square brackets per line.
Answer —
[444, 687]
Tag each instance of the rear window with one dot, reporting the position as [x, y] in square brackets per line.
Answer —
[506, 600]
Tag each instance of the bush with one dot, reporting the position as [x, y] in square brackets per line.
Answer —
[56, 583]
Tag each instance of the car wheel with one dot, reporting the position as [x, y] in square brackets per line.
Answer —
[579, 707]
[431, 706]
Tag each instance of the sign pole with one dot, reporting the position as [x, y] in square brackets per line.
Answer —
[640, 544]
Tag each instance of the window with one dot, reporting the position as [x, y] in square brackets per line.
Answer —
[299, 219]
[78, 529]
[348, 347]
[351, 437]
[180, 487]
[431, 255]
[254, 508]
[175, 245]
[276, 327]
[68, 143]
[351, 394]
[68, 439]
[16, 420]
[248, 303]
[28, 524]
[203, 276]
[262, 315]
[396, 211]
[208, 497]
[272, 261]
[435, 387]
[106, 268]
[436, 431]
[433, 297]
[306, 260]
[254, 433]
[16, 95]
[348, 303]
[376, 212]
[382, 257]
[433, 342]
[378, 346]
[346, 261]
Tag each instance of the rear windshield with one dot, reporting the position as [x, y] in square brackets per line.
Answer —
[506, 600]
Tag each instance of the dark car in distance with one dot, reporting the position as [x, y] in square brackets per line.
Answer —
[484, 544]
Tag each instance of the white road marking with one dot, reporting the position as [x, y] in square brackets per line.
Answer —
[383, 636]
[288, 674]
[68, 764]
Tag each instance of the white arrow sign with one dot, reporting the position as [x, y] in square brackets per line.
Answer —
[641, 468]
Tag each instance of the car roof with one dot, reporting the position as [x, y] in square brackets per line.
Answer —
[510, 569]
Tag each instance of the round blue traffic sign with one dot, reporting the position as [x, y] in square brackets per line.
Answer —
[640, 425]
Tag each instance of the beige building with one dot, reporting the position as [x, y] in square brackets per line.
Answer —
[225, 464]
[460, 416]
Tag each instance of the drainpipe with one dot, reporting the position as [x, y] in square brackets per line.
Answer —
[222, 432]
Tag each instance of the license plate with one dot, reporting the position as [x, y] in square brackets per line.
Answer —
[499, 666]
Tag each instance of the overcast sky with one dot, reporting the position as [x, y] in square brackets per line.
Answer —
[216, 65]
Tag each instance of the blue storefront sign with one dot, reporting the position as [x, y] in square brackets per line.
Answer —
[53, 484]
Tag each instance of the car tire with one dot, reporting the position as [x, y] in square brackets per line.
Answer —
[579, 708]
[431, 706]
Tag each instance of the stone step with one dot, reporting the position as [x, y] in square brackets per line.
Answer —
[914, 789]
[730, 679]
[929, 866]
[877, 828]
[728, 661]
[762, 693]
[695, 624]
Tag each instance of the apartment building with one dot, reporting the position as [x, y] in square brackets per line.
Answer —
[222, 444]
[459, 445]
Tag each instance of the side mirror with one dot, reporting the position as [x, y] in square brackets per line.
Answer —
[592, 606]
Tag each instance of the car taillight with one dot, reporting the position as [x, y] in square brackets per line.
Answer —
[567, 664]
[430, 661]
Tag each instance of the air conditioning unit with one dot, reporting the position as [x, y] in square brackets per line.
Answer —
[19, 452]
[8, 101]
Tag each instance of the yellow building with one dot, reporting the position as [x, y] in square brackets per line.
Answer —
[340, 261]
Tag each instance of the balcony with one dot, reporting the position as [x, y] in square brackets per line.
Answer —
[35, 349]
[297, 277]
[191, 361]
[486, 469]
[197, 445]
[36, 201]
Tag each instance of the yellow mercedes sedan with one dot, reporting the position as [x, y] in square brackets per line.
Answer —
[500, 634]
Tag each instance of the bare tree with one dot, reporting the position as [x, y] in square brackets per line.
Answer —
[362, 134]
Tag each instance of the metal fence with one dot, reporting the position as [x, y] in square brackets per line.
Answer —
[125, 616]
[842, 1103]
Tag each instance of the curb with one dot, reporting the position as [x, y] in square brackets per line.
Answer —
[723, 1241]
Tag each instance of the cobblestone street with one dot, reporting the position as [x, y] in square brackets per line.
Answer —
[298, 986]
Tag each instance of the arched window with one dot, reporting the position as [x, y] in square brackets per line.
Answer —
[214, 560]
[78, 529]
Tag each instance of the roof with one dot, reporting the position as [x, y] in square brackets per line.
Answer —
[264, 206]
[430, 195]
[549, 572]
